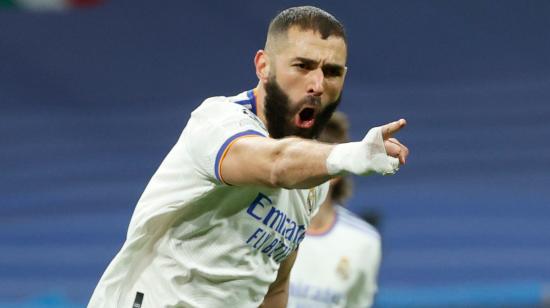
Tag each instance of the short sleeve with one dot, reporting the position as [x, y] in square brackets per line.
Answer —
[213, 129]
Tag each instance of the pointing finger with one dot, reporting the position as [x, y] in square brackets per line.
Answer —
[391, 128]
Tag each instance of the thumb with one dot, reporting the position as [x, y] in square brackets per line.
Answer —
[391, 128]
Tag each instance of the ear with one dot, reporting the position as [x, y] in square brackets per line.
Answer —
[261, 61]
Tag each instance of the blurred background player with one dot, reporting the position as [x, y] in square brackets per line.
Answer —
[338, 261]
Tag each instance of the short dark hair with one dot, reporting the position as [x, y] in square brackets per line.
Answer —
[336, 131]
[306, 18]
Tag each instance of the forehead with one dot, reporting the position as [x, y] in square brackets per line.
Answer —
[309, 44]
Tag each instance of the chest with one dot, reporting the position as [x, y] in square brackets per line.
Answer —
[275, 221]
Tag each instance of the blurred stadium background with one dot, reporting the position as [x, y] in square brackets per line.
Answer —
[92, 99]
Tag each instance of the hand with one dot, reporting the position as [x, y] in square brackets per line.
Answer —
[394, 148]
[378, 152]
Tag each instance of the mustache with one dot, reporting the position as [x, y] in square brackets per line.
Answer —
[314, 100]
[308, 100]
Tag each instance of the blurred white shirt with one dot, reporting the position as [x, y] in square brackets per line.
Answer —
[339, 267]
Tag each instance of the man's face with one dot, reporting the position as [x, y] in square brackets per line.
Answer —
[305, 83]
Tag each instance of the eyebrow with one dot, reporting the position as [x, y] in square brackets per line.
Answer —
[331, 66]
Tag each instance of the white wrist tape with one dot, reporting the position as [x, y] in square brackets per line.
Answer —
[362, 158]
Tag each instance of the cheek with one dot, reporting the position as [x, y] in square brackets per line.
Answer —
[333, 88]
[287, 82]
[292, 85]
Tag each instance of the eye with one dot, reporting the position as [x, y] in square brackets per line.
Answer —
[300, 65]
[332, 71]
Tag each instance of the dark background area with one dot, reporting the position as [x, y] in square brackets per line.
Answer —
[91, 100]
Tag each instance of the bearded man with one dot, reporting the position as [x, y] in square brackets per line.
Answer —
[220, 221]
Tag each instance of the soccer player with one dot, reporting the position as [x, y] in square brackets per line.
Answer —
[220, 221]
[338, 262]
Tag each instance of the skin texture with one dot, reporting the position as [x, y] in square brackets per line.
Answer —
[298, 78]
[277, 295]
[311, 72]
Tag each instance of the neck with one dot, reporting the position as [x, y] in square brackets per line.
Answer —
[324, 219]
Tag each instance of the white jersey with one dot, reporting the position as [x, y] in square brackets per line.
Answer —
[339, 267]
[194, 241]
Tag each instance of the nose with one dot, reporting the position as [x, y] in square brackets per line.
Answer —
[316, 82]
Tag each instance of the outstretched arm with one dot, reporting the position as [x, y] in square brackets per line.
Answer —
[300, 163]
[290, 162]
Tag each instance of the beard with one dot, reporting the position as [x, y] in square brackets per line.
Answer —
[279, 115]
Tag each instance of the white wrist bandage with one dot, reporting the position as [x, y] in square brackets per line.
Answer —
[362, 158]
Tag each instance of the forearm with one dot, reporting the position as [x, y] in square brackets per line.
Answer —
[277, 296]
[304, 163]
[299, 163]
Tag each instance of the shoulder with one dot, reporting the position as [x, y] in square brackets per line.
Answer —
[355, 224]
[231, 113]
[216, 106]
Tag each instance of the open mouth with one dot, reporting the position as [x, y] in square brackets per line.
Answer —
[306, 117]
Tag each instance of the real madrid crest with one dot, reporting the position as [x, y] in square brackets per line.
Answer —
[343, 268]
[311, 200]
